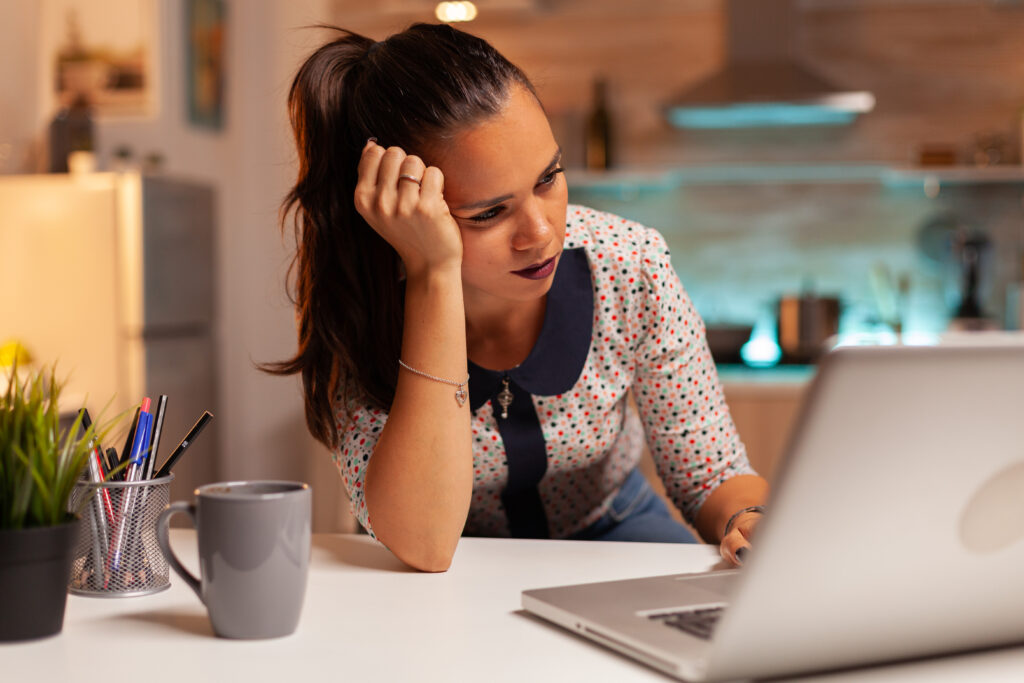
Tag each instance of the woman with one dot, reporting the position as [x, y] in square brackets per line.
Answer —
[434, 235]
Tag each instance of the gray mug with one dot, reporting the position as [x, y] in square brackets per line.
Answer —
[254, 547]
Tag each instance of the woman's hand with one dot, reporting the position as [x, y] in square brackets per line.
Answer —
[736, 544]
[412, 216]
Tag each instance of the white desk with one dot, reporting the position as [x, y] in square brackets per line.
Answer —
[369, 618]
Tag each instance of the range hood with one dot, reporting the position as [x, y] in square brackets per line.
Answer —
[762, 82]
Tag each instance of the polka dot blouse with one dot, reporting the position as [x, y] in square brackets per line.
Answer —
[618, 325]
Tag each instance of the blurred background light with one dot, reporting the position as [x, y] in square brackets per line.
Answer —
[449, 12]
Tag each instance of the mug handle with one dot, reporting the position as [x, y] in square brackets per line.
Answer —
[163, 539]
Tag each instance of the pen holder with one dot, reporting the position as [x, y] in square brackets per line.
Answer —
[117, 554]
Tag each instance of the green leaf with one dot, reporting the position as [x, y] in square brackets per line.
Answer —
[40, 464]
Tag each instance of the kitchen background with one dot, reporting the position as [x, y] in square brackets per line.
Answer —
[875, 212]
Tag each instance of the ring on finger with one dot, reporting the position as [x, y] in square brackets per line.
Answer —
[406, 176]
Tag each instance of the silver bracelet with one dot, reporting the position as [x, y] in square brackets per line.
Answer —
[460, 393]
[752, 508]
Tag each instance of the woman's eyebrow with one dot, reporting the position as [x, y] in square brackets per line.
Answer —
[554, 160]
[497, 200]
[483, 204]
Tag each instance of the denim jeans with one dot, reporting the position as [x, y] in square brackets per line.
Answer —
[637, 513]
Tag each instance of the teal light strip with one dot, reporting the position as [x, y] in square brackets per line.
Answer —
[770, 115]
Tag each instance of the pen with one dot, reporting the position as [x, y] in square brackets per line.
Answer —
[86, 423]
[129, 441]
[86, 420]
[158, 426]
[110, 459]
[201, 423]
[101, 507]
[97, 473]
[134, 473]
[101, 517]
[140, 444]
[136, 546]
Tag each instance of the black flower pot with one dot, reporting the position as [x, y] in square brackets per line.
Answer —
[35, 565]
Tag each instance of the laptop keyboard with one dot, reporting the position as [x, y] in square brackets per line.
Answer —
[700, 622]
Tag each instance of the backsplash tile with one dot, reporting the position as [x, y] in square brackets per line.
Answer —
[738, 247]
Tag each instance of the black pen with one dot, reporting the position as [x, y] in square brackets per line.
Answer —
[86, 423]
[126, 451]
[158, 425]
[185, 443]
[97, 519]
[86, 420]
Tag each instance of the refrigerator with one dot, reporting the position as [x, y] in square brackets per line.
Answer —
[111, 276]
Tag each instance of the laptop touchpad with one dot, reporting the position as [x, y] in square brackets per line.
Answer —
[721, 584]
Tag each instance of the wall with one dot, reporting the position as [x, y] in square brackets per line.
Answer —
[19, 84]
[259, 422]
[738, 247]
[942, 70]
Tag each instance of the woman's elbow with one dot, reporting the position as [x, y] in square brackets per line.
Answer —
[431, 559]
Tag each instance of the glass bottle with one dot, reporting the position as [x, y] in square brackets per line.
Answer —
[599, 130]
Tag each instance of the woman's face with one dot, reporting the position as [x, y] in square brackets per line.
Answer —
[504, 185]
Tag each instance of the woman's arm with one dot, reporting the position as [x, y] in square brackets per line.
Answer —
[692, 437]
[419, 481]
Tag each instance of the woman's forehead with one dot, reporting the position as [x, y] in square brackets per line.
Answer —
[502, 154]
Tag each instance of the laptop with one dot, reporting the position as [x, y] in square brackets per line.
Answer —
[895, 530]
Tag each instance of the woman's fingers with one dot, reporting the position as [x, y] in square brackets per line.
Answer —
[368, 169]
[432, 185]
[410, 178]
[387, 177]
[735, 547]
[408, 212]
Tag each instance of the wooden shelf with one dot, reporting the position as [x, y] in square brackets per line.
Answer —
[629, 182]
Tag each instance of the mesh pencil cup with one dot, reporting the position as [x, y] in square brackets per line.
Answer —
[117, 554]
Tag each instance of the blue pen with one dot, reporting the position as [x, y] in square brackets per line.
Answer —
[135, 472]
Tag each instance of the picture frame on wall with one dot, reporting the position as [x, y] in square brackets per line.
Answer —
[205, 51]
[104, 54]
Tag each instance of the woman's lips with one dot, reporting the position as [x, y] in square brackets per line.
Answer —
[539, 271]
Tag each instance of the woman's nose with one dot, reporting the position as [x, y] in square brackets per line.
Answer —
[534, 229]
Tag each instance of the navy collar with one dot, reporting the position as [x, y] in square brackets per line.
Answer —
[557, 359]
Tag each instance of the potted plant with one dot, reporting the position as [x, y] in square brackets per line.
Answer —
[39, 465]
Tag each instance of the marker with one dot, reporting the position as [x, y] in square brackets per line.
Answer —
[203, 420]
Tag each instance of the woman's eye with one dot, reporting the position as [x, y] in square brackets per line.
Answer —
[550, 177]
[486, 215]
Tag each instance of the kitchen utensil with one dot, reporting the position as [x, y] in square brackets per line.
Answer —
[805, 323]
[725, 341]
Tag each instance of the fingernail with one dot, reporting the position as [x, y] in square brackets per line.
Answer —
[369, 140]
[741, 554]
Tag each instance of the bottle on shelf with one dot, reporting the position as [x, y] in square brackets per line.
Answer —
[71, 132]
[599, 130]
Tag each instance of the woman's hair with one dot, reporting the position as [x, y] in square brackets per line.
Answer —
[414, 90]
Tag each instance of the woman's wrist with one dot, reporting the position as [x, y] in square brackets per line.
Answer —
[733, 494]
[433, 273]
[730, 524]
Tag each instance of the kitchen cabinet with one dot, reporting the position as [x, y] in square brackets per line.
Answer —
[765, 405]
